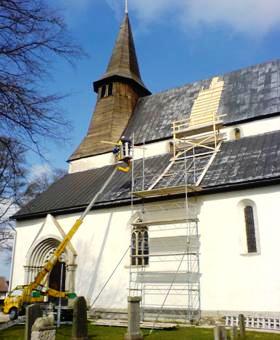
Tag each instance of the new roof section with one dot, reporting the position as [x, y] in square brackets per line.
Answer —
[250, 93]
[250, 160]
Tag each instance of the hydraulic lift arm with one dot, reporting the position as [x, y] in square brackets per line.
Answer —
[60, 249]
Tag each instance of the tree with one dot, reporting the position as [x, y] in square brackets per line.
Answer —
[41, 183]
[12, 182]
[31, 35]
[18, 191]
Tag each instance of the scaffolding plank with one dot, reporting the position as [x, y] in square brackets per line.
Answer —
[173, 244]
[167, 277]
[197, 129]
[162, 222]
[166, 191]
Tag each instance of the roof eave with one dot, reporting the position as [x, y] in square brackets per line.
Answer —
[123, 202]
[137, 84]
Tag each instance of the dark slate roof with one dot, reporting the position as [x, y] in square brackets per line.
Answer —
[250, 93]
[248, 160]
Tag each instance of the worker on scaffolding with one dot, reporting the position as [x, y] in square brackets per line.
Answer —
[122, 152]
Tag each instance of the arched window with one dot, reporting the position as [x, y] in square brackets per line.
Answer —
[140, 247]
[250, 229]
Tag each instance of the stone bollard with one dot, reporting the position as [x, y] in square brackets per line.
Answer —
[79, 326]
[43, 329]
[241, 324]
[133, 329]
[32, 313]
[220, 333]
[233, 333]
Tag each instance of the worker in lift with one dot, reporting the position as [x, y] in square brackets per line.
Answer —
[122, 151]
[126, 148]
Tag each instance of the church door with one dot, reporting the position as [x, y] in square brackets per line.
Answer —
[57, 276]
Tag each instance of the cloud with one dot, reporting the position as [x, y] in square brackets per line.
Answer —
[245, 16]
[39, 170]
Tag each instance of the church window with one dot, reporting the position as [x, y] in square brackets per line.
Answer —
[110, 89]
[250, 229]
[103, 91]
[140, 247]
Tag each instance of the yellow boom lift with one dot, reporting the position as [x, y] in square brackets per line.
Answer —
[21, 296]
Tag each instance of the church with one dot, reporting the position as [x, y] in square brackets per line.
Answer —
[193, 227]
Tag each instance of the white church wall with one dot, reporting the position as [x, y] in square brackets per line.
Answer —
[98, 161]
[100, 243]
[230, 278]
[26, 231]
[253, 128]
[93, 162]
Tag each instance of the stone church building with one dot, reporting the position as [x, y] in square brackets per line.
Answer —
[193, 228]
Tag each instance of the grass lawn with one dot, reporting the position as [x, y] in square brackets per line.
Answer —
[117, 333]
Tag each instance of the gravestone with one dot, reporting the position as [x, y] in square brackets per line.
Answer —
[32, 313]
[43, 329]
[79, 326]
[220, 333]
[241, 324]
[233, 333]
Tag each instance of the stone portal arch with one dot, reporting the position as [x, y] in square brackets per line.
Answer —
[40, 253]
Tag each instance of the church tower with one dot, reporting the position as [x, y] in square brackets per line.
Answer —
[117, 93]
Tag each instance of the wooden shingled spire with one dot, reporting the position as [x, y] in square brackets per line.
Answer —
[118, 91]
[123, 63]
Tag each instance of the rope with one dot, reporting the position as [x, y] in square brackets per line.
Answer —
[109, 278]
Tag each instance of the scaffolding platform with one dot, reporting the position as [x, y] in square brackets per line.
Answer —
[167, 191]
[182, 129]
[165, 222]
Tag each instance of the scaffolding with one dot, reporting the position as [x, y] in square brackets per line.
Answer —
[167, 278]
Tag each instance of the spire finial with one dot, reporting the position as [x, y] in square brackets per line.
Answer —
[126, 7]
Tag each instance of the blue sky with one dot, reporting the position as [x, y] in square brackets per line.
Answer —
[177, 42]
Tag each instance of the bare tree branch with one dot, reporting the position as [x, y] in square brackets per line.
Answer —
[32, 35]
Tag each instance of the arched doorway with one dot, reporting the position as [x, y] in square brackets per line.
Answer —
[57, 276]
[62, 276]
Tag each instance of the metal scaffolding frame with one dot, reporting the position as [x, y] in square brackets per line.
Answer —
[169, 282]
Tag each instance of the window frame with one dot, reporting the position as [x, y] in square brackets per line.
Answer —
[139, 254]
[244, 228]
[250, 229]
